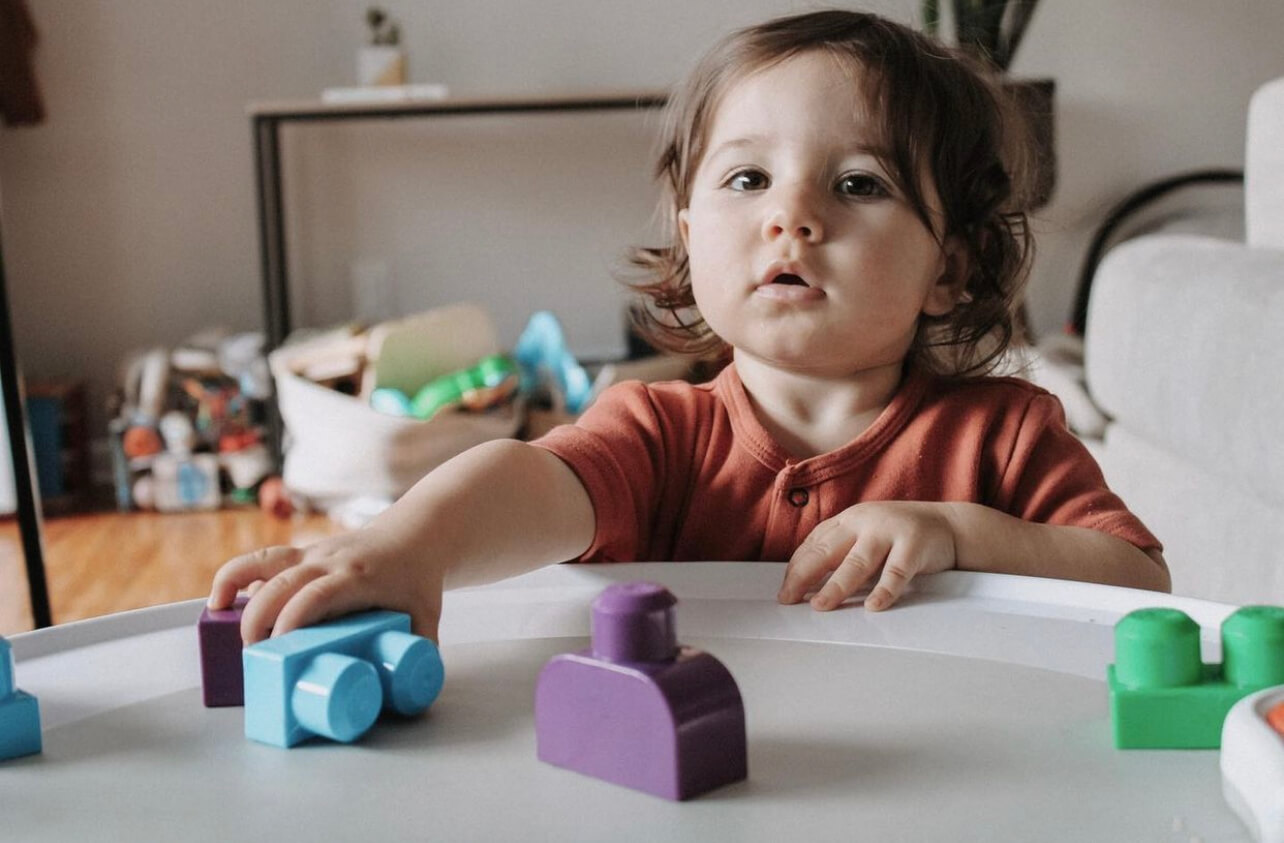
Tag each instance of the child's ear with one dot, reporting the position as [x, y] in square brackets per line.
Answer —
[950, 285]
[684, 228]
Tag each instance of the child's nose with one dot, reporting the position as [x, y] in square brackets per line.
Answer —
[794, 216]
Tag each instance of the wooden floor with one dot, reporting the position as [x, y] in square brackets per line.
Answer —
[101, 563]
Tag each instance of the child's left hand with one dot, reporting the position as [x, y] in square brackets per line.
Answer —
[902, 538]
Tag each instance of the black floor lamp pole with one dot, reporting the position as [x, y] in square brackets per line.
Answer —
[23, 480]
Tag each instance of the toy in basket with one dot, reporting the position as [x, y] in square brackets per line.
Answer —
[339, 448]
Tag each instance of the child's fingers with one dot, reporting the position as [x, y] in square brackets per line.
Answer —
[900, 568]
[336, 594]
[244, 570]
[861, 562]
[261, 613]
[426, 626]
[818, 554]
[320, 599]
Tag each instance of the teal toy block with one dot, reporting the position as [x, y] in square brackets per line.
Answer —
[19, 712]
[1162, 695]
[333, 679]
[542, 350]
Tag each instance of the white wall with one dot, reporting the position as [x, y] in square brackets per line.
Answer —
[1145, 89]
[129, 216]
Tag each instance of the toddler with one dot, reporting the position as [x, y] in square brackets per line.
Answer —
[847, 228]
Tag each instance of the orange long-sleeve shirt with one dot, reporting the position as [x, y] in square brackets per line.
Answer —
[681, 472]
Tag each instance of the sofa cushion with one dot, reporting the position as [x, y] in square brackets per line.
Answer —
[1221, 542]
[1184, 349]
[1264, 167]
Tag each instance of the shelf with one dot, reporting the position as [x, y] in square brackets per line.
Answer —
[310, 110]
[267, 118]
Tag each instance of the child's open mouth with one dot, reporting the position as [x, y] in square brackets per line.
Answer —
[789, 287]
[790, 279]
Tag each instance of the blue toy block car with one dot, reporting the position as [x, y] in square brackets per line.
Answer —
[334, 678]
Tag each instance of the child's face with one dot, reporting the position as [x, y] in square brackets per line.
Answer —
[803, 253]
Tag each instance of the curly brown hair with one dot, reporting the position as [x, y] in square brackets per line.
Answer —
[940, 115]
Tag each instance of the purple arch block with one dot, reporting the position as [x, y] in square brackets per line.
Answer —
[219, 634]
[639, 710]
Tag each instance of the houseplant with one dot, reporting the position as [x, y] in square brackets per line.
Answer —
[381, 62]
[991, 31]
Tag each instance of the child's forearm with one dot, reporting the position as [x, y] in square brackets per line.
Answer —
[989, 540]
[495, 511]
[499, 509]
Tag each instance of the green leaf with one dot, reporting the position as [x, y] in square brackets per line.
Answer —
[931, 17]
[1022, 11]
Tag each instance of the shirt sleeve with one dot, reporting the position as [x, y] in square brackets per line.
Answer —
[1051, 478]
[617, 450]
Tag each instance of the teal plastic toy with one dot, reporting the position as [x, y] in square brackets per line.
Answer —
[542, 351]
[333, 679]
[479, 387]
[19, 712]
[389, 401]
[1162, 696]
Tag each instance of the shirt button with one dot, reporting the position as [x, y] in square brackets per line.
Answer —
[798, 496]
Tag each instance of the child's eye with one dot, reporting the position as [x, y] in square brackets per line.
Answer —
[747, 180]
[861, 185]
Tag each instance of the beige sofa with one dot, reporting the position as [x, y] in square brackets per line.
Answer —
[1184, 355]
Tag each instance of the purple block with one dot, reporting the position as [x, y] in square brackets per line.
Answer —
[222, 675]
[638, 709]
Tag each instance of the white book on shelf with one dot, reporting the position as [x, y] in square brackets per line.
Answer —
[385, 93]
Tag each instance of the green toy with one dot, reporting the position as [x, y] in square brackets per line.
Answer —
[488, 383]
[1162, 696]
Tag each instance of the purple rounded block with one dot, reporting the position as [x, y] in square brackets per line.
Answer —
[222, 676]
[633, 622]
[639, 710]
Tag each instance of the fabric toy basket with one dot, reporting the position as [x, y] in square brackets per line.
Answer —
[337, 448]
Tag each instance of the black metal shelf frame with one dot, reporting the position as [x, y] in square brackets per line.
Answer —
[24, 479]
[266, 124]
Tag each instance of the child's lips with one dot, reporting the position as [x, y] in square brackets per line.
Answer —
[785, 284]
[789, 292]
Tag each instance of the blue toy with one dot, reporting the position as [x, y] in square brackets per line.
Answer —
[333, 679]
[391, 402]
[542, 349]
[19, 712]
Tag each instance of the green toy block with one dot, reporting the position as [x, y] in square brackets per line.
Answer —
[1162, 696]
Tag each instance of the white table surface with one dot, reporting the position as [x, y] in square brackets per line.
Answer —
[975, 710]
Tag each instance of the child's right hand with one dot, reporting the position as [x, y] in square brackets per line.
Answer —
[499, 509]
[342, 574]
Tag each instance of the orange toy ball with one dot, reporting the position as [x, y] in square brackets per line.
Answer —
[141, 441]
[1276, 718]
[274, 499]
